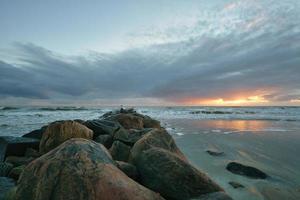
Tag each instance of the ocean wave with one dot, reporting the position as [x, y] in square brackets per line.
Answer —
[71, 108]
[9, 108]
[219, 112]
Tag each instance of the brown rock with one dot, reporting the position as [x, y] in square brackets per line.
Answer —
[128, 121]
[131, 136]
[150, 123]
[78, 169]
[159, 138]
[165, 172]
[58, 132]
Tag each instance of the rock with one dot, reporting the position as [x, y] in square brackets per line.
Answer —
[130, 137]
[214, 196]
[244, 170]
[155, 138]
[236, 184]
[106, 140]
[5, 168]
[128, 121]
[119, 151]
[32, 153]
[103, 127]
[16, 172]
[240, 169]
[150, 123]
[215, 153]
[17, 161]
[37, 134]
[78, 169]
[129, 169]
[174, 178]
[5, 185]
[16, 146]
[58, 132]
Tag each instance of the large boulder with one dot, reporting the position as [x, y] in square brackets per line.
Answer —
[120, 151]
[128, 121]
[103, 127]
[244, 170]
[16, 146]
[78, 169]
[150, 123]
[159, 138]
[58, 132]
[129, 118]
[174, 178]
[130, 137]
[106, 140]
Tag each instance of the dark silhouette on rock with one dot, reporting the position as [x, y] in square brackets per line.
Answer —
[16, 146]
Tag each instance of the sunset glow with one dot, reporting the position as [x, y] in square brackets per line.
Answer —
[251, 100]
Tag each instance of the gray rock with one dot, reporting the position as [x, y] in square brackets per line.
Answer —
[102, 127]
[16, 146]
[106, 140]
[37, 134]
[120, 151]
[244, 170]
[129, 169]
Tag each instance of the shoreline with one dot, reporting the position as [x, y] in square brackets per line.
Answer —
[189, 137]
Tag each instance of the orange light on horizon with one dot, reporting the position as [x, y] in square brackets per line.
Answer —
[295, 100]
[223, 102]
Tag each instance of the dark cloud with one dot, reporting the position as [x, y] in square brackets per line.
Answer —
[261, 61]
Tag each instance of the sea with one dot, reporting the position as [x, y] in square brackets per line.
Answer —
[267, 138]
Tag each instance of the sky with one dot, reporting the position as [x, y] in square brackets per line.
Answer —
[138, 52]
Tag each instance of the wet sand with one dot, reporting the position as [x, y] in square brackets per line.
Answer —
[271, 146]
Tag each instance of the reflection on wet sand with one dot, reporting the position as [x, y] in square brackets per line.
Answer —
[232, 126]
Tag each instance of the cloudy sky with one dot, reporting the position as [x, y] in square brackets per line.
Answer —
[138, 52]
